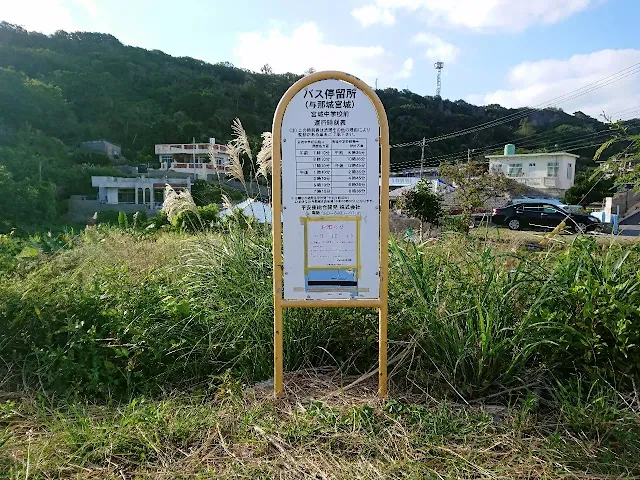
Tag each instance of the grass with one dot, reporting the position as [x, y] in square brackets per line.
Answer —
[319, 431]
[504, 236]
[132, 355]
[119, 314]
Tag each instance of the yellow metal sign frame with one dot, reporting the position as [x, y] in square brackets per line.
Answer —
[279, 303]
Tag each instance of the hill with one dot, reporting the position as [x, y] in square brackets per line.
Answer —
[59, 90]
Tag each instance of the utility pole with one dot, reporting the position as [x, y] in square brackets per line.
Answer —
[424, 141]
[376, 84]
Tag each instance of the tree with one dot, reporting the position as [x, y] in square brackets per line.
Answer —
[82, 86]
[624, 166]
[473, 186]
[309, 71]
[420, 202]
[525, 128]
[589, 189]
[266, 69]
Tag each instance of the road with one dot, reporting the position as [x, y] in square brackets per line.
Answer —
[630, 227]
[630, 230]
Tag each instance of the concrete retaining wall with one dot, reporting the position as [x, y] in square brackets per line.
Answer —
[82, 208]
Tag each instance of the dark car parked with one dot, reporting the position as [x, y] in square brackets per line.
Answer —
[542, 215]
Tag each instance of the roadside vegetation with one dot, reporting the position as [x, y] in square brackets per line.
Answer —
[132, 351]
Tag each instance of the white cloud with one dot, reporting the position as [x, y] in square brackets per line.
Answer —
[484, 15]
[371, 14]
[306, 47]
[44, 16]
[89, 6]
[537, 83]
[437, 48]
[407, 68]
[47, 16]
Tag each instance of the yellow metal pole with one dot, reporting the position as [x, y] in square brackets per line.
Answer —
[276, 223]
[384, 250]
[278, 302]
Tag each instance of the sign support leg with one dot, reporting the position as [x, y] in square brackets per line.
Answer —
[382, 350]
[277, 350]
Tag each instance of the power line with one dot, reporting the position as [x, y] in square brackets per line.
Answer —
[479, 162]
[637, 107]
[577, 93]
[632, 70]
[431, 162]
[527, 141]
[569, 144]
[488, 148]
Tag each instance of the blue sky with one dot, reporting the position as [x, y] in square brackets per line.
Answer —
[512, 52]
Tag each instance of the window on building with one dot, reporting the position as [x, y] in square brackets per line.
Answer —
[532, 169]
[203, 159]
[220, 161]
[553, 168]
[569, 171]
[158, 195]
[165, 158]
[515, 170]
[126, 195]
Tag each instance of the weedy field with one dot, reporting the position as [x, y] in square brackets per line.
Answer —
[129, 354]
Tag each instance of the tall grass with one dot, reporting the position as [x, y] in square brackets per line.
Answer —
[591, 301]
[118, 314]
[462, 316]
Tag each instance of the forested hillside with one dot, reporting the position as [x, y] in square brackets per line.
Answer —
[59, 90]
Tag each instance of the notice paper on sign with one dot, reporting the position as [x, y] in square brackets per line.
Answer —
[332, 253]
[330, 193]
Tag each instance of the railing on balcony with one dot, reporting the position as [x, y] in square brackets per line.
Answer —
[189, 148]
[208, 166]
[530, 181]
[549, 182]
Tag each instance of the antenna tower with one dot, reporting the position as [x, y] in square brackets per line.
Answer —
[439, 66]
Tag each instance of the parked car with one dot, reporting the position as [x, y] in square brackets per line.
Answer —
[551, 201]
[542, 215]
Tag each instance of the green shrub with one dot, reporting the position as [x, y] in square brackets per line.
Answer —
[115, 313]
[108, 217]
[420, 202]
[590, 306]
[209, 215]
[456, 223]
[123, 221]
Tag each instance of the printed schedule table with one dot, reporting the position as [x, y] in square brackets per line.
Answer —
[331, 166]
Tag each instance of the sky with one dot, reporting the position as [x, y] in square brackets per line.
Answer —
[512, 52]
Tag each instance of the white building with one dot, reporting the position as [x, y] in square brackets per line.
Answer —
[553, 172]
[202, 161]
[147, 192]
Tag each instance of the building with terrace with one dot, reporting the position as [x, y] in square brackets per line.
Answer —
[202, 161]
